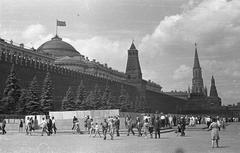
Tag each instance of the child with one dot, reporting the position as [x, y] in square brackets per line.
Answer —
[178, 129]
[97, 130]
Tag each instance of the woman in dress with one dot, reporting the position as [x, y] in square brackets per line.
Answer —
[145, 127]
[214, 127]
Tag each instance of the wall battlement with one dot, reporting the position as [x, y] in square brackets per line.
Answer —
[47, 67]
[62, 77]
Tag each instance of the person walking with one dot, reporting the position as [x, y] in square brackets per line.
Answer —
[170, 118]
[182, 126]
[145, 127]
[54, 125]
[162, 120]
[139, 126]
[85, 123]
[20, 125]
[4, 126]
[89, 121]
[117, 125]
[30, 124]
[208, 121]
[97, 130]
[174, 120]
[92, 129]
[214, 127]
[43, 125]
[151, 126]
[111, 126]
[27, 126]
[129, 126]
[104, 128]
[74, 122]
[157, 126]
[49, 126]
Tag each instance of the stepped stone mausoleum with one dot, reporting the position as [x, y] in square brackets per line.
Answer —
[68, 67]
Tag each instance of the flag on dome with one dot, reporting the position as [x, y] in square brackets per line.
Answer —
[61, 23]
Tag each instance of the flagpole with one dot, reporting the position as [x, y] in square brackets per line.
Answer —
[56, 28]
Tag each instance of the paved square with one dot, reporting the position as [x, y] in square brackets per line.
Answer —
[195, 141]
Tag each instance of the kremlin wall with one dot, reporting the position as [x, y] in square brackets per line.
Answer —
[68, 68]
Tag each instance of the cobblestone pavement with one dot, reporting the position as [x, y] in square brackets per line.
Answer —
[194, 142]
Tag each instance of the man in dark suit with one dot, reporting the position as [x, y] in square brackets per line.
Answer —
[105, 128]
[3, 126]
[49, 126]
[157, 126]
[117, 125]
[130, 125]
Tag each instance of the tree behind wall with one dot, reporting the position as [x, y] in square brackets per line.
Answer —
[96, 98]
[89, 101]
[11, 94]
[24, 98]
[47, 95]
[105, 99]
[68, 103]
[33, 106]
[81, 97]
[123, 103]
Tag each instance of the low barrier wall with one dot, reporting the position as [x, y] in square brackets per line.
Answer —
[64, 119]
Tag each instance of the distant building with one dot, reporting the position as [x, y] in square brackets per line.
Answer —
[238, 104]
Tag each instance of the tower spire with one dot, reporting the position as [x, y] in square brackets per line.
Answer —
[133, 46]
[133, 69]
[197, 81]
[213, 89]
[213, 81]
[196, 60]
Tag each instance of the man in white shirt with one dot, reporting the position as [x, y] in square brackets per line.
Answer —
[26, 125]
[43, 125]
[162, 120]
[54, 125]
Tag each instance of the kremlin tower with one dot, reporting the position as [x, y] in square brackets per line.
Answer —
[197, 81]
[133, 69]
[213, 99]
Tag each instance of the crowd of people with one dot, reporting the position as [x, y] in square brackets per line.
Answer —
[47, 125]
[109, 125]
[146, 125]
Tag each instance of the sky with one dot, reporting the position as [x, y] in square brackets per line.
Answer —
[164, 32]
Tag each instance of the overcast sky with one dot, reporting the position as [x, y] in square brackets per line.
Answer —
[164, 32]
